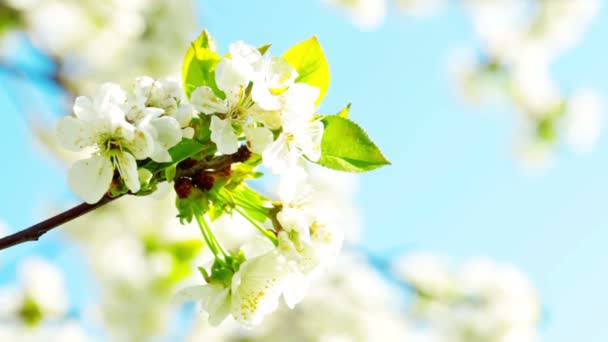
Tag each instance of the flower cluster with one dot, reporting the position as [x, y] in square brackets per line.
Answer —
[111, 40]
[235, 113]
[260, 95]
[518, 49]
[123, 127]
[284, 266]
[519, 42]
[36, 308]
[481, 301]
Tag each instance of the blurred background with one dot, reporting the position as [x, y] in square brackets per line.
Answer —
[489, 226]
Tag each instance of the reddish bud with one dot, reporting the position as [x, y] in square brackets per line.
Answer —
[187, 163]
[203, 181]
[183, 187]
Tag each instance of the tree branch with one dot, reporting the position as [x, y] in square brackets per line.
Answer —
[185, 169]
[34, 232]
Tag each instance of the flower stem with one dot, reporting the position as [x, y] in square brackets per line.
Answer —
[200, 220]
[259, 227]
[210, 238]
[213, 238]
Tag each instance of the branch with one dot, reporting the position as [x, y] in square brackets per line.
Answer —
[185, 169]
[34, 232]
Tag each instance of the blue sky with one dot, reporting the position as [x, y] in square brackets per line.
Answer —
[454, 187]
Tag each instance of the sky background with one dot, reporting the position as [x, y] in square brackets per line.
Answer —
[455, 187]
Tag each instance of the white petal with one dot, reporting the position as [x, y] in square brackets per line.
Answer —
[217, 303]
[298, 220]
[279, 74]
[299, 105]
[109, 94]
[259, 138]
[183, 115]
[90, 178]
[205, 101]
[257, 246]
[160, 154]
[188, 132]
[120, 127]
[233, 74]
[222, 134]
[278, 156]
[245, 53]
[83, 108]
[215, 300]
[142, 144]
[270, 118]
[309, 141]
[74, 134]
[190, 293]
[169, 131]
[296, 287]
[127, 167]
[263, 97]
[256, 288]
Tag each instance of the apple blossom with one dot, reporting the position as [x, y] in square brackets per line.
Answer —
[239, 112]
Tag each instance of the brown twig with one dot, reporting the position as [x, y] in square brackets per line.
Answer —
[217, 163]
[34, 232]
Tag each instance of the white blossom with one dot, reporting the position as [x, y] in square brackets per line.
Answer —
[100, 123]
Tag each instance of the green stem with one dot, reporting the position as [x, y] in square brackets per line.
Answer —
[218, 245]
[259, 227]
[202, 224]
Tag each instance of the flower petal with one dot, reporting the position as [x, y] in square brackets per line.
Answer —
[309, 140]
[90, 178]
[142, 144]
[296, 286]
[127, 167]
[257, 287]
[74, 134]
[169, 131]
[259, 138]
[222, 134]
[204, 100]
[84, 110]
[215, 300]
[278, 156]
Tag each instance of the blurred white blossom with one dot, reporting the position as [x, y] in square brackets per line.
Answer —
[480, 301]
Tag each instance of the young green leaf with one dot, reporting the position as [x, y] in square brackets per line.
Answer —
[347, 147]
[308, 59]
[182, 151]
[345, 111]
[199, 65]
[262, 49]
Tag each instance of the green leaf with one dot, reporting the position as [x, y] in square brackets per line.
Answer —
[262, 49]
[199, 65]
[182, 151]
[345, 111]
[347, 147]
[308, 59]
[252, 202]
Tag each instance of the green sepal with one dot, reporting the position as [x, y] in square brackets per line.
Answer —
[195, 204]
